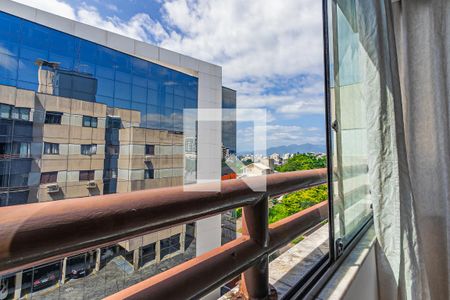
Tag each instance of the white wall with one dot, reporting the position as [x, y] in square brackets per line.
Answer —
[364, 285]
[356, 278]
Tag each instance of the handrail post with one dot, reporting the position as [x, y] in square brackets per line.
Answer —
[255, 223]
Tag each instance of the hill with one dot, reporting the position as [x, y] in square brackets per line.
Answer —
[294, 148]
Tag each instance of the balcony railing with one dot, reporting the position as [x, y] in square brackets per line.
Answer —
[35, 234]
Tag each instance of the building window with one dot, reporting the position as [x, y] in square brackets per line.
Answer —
[4, 180]
[114, 122]
[18, 180]
[110, 174]
[89, 121]
[20, 113]
[89, 149]
[20, 150]
[24, 114]
[5, 111]
[53, 117]
[87, 175]
[5, 150]
[149, 174]
[149, 149]
[112, 149]
[16, 113]
[51, 148]
[189, 236]
[148, 254]
[49, 177]
[170, 245]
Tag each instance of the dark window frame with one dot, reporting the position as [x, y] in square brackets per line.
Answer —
[52, 149]
[53, 117]
[3, 108]
[148, 254]
[170, 245]
[112, 149]
[89, 121]
[88, 149]
[15, 113]
[49, 177]
[150, 149]
[86, 175]
[149, 173]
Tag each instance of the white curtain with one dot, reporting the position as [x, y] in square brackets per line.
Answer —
[404, 83]
[422, 33]
[400, 261]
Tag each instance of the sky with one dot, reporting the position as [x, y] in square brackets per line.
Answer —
[270, 50]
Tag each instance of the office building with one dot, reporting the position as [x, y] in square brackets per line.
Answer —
[86, 112]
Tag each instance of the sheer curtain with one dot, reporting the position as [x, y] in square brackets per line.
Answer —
[403, 58]
[422, 33]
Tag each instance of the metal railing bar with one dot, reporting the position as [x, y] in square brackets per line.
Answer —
[202, 274]
[32, 234]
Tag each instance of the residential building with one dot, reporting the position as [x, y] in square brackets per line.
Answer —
[256, 169]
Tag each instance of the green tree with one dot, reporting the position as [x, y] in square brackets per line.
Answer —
[297, 201]
[304, 161]
[300, 200]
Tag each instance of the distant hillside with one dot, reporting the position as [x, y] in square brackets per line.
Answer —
[303, 148]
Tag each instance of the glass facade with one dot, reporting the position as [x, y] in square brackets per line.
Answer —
[79, 119]
[134, 93]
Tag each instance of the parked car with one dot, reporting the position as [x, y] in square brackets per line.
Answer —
[78, 269]
[41, 277]
[45, 280]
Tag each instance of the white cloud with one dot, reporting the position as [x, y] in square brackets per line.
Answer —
[57, 7]
[260, 44]
[140, 26]
[278, 135]
[302, 96]
[258, 38]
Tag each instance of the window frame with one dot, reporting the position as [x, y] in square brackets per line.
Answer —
[115, 148]
[15, 112]
[150, 149]
[53, 117]
[5, 109]
[88, 149]
[90, 175]
[317, 277]
[89, 121]
[172, 245]
[16, 149]
[49, 175]
[149, 173]
[146, 252]
[53, 147]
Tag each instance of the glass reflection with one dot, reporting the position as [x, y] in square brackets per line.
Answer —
[76, 120]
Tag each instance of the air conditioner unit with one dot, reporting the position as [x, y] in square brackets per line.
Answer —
[91, 184]
[52, 188]
[149, 157]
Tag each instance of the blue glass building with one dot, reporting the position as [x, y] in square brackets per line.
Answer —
[82, 116]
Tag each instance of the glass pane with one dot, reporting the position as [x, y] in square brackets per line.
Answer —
[79, 119]
[352, 204]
